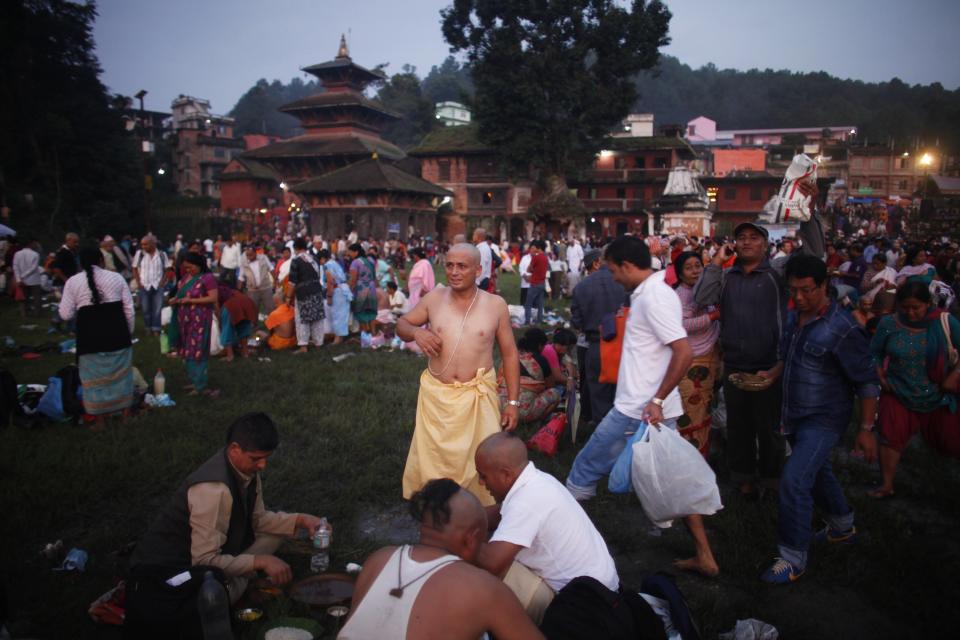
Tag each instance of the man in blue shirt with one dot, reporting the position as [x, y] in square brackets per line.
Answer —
[825, 360]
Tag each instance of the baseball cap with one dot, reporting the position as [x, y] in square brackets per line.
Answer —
[755, 227]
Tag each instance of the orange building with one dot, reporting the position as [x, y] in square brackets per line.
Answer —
[731, 160]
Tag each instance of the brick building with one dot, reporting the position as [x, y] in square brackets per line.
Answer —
[204, 145]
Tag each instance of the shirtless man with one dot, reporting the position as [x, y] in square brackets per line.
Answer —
[455, 600]
[458, 407]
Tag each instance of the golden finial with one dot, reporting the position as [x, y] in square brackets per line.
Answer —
[375, 156]
[343, 52]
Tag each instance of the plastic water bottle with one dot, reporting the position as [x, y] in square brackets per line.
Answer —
[159, 383]
[214, 608]
[320, 560]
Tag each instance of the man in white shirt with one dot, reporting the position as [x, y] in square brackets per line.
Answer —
[574, 262]
[524, 280]
[655, 356]
[150, 274]
[486, 257]
[544, 538]
[26, 275]
[230, 261]
[256, 279]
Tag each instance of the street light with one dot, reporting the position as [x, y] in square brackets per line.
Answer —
[925, 161]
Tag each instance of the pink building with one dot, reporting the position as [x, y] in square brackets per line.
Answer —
[703, 129]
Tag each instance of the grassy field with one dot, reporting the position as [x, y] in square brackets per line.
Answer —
[345, 429]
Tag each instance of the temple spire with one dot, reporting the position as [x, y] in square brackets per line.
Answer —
[343, 52]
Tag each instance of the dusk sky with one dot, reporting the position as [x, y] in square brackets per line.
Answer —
[217, 49]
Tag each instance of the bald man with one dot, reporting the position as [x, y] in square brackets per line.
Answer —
[544, 538]
[458, 405]
[427, 590]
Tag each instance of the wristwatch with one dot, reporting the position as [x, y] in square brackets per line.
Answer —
[658, 402]
[513, 403]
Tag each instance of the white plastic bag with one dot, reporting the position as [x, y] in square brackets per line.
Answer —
[790, 204]
[215, 346]
[166, 314]
[671, 478]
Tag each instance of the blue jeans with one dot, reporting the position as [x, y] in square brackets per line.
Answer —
[535, 296]
[808, 480]
[151, 302]
[596, 458]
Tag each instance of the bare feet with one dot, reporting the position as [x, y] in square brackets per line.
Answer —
[299, 351]
[880, 493]
[705, 566]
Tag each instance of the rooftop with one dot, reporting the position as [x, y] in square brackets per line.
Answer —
[313, 145]
[450, 141]
[337, 99]
[370, 175]
[250, 168]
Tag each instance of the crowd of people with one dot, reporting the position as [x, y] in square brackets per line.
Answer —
[796, 339]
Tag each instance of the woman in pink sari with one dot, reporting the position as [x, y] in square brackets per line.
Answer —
[421, 280]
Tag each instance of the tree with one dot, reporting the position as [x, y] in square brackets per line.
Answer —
[401, 94]
[449, 82]
[65, 162]
[553, 78]
[257, 111]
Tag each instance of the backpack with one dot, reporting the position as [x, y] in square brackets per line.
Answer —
[9, 402]
[61, 401]
[662, 585]
[586, 610]
[72, 393]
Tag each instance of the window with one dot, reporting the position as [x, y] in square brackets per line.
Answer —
[856, 163]
[903, 163]
[878, 163]
[621, 193]
[660, 163]
[876, 184]
[854, 184]
[641, 162]
[755, 193]
[691, 130]
[593, 193]
[904, 185]
[619, 162]
[730, 193]
[487, 198]
[482, 168]
[444, 166]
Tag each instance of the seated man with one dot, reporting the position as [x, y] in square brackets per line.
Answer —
[281, 325]
[215, 521]
[426, 590]
[398, 301]
[544, 538]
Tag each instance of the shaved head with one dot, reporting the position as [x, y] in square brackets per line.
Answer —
[466, 249]
[504, 450]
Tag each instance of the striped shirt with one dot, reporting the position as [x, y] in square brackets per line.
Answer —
[112, 287]
[150, 267]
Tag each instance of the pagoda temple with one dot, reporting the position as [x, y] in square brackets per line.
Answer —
[342, 127]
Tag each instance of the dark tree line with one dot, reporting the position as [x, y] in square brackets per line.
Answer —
[884, 112]
[65, 160]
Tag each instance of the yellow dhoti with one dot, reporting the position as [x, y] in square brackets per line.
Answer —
[452, 420]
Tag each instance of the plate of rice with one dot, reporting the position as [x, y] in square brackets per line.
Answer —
[293, 629]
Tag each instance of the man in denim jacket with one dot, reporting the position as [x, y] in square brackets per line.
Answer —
[825, 360]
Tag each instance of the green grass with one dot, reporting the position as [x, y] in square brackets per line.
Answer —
[345, 429]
